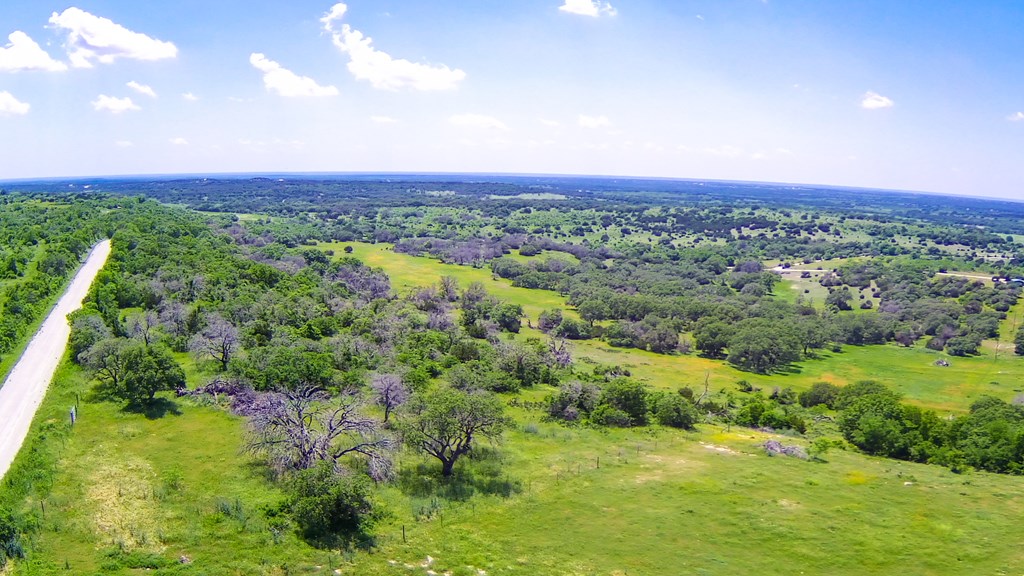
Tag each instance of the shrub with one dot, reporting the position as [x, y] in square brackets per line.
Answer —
[675, 411]
[820, 393]
[329, 508]
[606, 415]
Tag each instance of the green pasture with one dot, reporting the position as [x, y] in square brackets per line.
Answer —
[408, 272]
[547, 500]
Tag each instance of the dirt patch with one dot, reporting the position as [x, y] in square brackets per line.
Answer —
[717, 448]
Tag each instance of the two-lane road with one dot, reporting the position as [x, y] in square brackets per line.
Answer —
[25, 387]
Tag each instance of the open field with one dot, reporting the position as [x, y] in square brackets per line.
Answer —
[138, 491]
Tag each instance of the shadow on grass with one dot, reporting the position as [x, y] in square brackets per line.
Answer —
[154, 409]
[480, 473]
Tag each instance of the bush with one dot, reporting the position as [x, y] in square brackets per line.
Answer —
[10, 538]
[329, 508]
[851, 392]
[628, 397]
[820, 393]
[675, 411]
[606, 415]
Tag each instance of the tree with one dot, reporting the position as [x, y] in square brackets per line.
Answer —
[132, 371]
[593, 310]
[711, 338]
[301, 427]
[762, 346]
[509, 317]
[839, 299]
[219, 340]
[389, 392]
[1019, 342]
[87, 328]
[445, 423]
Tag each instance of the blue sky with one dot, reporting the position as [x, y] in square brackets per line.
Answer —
[906, 95]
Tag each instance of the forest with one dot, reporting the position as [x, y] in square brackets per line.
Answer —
[381, 353]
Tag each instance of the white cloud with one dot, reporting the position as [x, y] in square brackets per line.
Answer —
[94, 38]
[9, 105]
[379, 68]
[1016, 117]
[190, 97]
[550, 123]
[875, 101]
[726, 150]
[593, 8]
[22, 53]
[141, 89]
[478, 121]
[113, 105]
[383, 119]
[593, 121]
[124, 143]
[179, 141]
[285, 82]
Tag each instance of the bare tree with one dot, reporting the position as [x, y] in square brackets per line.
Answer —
[219, 340]
[142, 326]
[450, 288]
[389, 392]
[299, 428]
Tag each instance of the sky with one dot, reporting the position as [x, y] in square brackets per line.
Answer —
[908, 95]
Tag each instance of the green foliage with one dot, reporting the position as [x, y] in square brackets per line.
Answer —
[820, 393]
[10, 538]
[848, 394]
[1018, 342]
[763, 346]
[445, 423]
[132, 371]
[623, 396]
[675, 411]
[331, 509]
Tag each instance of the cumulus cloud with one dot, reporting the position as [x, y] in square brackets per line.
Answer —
[1016, 117]
[383, 119]
[9, 105]
[141, 89]
[379, 68]
[875, 101]
[190, 97]
[22, 53]
[92, 38]
[592, 8]
[288, 83]
[478, 121]
[179, 141]
[593, 121]
[113, 105]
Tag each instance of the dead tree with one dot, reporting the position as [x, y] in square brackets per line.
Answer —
[297, 429]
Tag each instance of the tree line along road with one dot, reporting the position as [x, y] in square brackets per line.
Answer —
[26, 386]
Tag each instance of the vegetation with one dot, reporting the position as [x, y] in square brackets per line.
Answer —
[280, 380]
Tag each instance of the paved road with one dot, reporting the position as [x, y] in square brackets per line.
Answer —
[25, 387]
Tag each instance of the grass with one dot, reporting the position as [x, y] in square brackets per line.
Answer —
[408, 272]
[549, 500]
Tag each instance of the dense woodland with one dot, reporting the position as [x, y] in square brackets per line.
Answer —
[334, 371]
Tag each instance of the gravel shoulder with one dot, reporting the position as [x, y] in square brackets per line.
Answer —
[25, 387]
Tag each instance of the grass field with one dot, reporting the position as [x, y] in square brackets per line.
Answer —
[128, 490]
